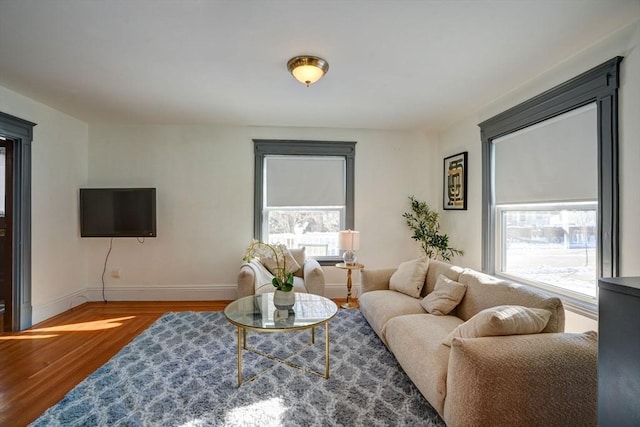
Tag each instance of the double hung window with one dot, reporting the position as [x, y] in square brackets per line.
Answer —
[304, 194]
[550, 188]
[546, 199]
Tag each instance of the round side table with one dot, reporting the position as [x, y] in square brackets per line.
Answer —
[349, 268]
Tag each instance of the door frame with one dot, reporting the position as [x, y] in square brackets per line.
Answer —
[7, 227]
[21, 133]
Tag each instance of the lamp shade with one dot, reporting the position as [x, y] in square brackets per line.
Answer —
[349, 240]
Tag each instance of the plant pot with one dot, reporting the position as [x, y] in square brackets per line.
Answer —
[284, 318]
[284, 300]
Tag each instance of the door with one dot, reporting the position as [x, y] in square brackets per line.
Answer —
[6, 235]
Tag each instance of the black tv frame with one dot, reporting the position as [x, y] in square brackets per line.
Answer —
[114, 231]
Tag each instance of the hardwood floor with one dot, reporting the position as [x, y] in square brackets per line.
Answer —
[40, 365]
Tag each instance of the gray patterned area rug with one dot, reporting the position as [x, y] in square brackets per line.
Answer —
[182, 371]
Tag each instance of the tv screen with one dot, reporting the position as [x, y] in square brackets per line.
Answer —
[118, 212]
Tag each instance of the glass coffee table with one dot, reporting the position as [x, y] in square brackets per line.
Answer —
[258, 313]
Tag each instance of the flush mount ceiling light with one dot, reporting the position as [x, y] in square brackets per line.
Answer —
[307, 69]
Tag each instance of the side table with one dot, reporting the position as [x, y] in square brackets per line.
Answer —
[349, 268]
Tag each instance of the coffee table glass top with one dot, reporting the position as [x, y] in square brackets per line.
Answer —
[259, 312]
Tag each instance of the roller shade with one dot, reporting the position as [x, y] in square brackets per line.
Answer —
[556, 160]
[305, 181]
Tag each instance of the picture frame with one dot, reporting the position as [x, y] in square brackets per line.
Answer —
[455, 182]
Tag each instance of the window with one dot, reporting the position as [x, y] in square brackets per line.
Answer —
[546, 196]
[550, 195]
[304, 194]
[550, 246]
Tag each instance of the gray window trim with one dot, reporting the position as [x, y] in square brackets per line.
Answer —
[265, 147]
[21, 132]
[599, 85]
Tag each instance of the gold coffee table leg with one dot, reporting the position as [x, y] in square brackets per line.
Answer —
[326, 350]
[241, 332]
[244, 339]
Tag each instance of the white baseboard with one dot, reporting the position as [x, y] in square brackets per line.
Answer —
[155, 293]
[59, 305]
[191, 293]
[339, 290]
[165, 293]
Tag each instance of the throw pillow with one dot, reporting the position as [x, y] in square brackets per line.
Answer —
[409, 277]
[446, 295]
[290, 263]
[299, 255]
[501, 320]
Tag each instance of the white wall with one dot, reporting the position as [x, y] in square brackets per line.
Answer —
[464, 227]
[465, 136]
[59, 167]
[204, 177]
[204, 181]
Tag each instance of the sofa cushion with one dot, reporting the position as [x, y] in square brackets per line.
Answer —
[484, 291]
[445, 297]
[501, 320]
[409, 277]
[380, 306]
[436, 268]
[416, 342]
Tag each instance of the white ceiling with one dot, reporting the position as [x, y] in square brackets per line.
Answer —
[393, 64]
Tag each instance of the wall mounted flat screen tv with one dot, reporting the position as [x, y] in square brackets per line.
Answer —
[118, 212]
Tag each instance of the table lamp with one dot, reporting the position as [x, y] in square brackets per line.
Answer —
[349, 242]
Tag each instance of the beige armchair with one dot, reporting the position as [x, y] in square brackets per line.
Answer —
[254, 278]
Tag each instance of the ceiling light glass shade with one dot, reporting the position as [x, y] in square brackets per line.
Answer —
[307, 69]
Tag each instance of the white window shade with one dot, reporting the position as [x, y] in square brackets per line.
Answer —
[305, 181]
[555, 160]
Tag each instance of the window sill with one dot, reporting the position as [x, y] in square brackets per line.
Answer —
[577, 305]
[582, 308]
[329, 262]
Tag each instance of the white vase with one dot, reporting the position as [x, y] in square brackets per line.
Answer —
[284, 300]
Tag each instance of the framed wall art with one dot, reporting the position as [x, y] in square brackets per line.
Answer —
[455, 182]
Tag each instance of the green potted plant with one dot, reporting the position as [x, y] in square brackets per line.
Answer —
[282, 277]
[423, 222]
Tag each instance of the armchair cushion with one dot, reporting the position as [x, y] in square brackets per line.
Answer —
[255, 278]
[313, 277]
[290, 263]
[299, 255]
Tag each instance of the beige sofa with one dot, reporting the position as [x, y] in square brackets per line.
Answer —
[542, 379]
[254, 278]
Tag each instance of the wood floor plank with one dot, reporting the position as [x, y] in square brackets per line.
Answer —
[40, 365]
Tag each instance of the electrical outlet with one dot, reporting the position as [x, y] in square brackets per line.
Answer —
[115, 273]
